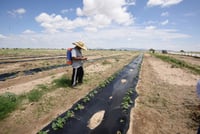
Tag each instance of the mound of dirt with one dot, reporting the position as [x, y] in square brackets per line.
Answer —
[96, 119]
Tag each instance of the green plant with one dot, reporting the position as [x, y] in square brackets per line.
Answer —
[42, 132]
[179, 63]
[127, 101]
[79, 107]
[62, 82]
[86, 99]
[8, 103]
[42, 87]
[34, 95]
[69, 114]
[59, 123]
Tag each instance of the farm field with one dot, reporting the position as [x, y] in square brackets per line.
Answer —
[167, 101]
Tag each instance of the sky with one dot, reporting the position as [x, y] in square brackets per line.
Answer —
[107, 24]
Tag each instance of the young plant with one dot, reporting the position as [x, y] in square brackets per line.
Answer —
[42, 132]
[86, 99]
[69, 114]
[127, 102]
[79, 107]
[59, 123]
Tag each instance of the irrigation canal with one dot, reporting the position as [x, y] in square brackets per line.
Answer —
[110, 99]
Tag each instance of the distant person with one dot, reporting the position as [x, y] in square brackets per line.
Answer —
[77, 63]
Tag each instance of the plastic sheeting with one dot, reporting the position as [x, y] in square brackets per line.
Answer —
[109, 99]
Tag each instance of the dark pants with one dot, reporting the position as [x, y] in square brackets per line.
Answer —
[77, 75]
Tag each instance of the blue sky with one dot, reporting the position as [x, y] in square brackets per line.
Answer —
[158, 24]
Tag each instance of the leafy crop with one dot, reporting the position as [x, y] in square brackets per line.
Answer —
[79, 107]
[69, 114]
[106, 82]
[60, 122]
[127, 101]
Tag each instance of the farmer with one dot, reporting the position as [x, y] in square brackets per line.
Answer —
[77, 63]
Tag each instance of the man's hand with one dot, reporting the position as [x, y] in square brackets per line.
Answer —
[84, 58]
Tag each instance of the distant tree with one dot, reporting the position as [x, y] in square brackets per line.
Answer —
[164, 51]
[152, 50]
[182, 51]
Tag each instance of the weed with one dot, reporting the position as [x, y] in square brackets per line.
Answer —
[34, 95]
[42, 87]
[178, 63]
[62, 82]
[8, 103]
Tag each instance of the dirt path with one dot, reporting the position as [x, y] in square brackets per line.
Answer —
[167, 100]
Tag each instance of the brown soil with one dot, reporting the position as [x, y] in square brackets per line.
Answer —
[96, 119]
[167, 101]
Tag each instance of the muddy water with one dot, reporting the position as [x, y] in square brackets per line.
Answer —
[108, 99]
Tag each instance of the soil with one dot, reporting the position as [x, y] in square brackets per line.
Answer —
[167, 101]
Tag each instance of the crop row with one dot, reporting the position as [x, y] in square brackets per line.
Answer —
[178, 63]
[80, 105]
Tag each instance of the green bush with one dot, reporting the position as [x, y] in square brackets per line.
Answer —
[34, 95]
[8, 103]
[179, 63]
[62, 82]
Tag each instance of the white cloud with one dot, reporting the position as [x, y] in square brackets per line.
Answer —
[18, 12]
[116, 37]
[165, 14]
[2, 36]
[115, 11]
[165, 22]
[93, 16]
[150, 27]
[163, 3]
[54, 23]
[28, 31]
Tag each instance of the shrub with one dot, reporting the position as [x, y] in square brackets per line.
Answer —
[8, 103]
[62, 82]
[34, 95]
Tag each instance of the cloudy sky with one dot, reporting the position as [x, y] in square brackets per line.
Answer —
[158, 24]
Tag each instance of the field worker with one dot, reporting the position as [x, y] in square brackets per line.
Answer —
[77, 63]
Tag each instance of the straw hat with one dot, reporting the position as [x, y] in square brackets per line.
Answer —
[80, 44]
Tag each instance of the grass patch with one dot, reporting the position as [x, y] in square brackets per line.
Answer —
[62, 82]
[8, 103]
[34, 95]
[178, 63]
